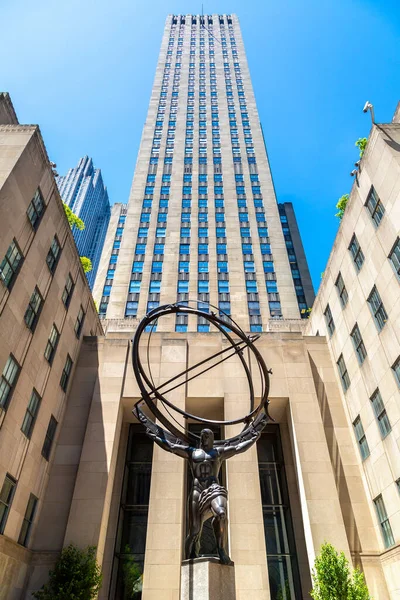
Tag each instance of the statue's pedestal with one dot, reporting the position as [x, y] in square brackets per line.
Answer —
[206, 579]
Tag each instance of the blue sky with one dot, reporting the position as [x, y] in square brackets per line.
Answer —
[84, 71]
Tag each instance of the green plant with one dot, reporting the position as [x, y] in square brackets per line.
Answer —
[284, 592]
[76, 576]
[341, 206]
[361, 144]
[306, 311]
[73, 219]
[132, 576]
[333, 579]
[86, 264]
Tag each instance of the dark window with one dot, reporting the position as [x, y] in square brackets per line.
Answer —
[8, 380]
[375, 206]
[31, 414]
[52, 344]
[344, 376]
[377, 309]
[67, 292]
[329, 320]
[395, 368]
[36, 209]
[33, 311]
[356, 252]
[358, 344]
[394, 257]
[361, 439]
[10, 264]
[384, 522]
[79, 322]
[66, 373]
[341, 290]
[28, 521]
[48, 440]
[53, 255]
[380, 413]
[6, 498]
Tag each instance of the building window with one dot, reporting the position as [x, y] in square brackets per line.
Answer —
[53, 255]
[341, 288]
[10, 264]
[67, 292]
[32, 313]
[35, 209]
[6, 498]
[380, 413]
[79, 322]
[329, 320]
[49, 438]
[31, 414]
[375, 206]
[66, 373]
[377, 309]
[396, 370]
[51, 345]
[28, 521]
[361, 439]
[356, 252]
[8, 380]
[394, 257]
[344, 376]
[358, 344]
[131, 309]
[386, 529]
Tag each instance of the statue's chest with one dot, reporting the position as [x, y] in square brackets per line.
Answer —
[203, 460]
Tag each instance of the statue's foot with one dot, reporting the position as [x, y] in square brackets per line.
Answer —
[224, 558]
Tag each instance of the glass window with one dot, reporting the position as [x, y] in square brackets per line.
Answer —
[243, 217]
[67, 292]
[247, 249]
[251, 286]
[272, 287]
[254, 308]
[51, 345]
[143, 231]
[329, 320]
[183, 287]
[10, 264]
[341, 288]
[184, 248]
[249, 267]
[53, 255]
[344, 376]
[394, 257]
[356, 252]
[377, 309]
[203, 266]
[8, 380]
[375, 206]
[221, 248]
[131, 309]
[183, 266]
[107, 290]
[28, 521]
[222, 266]
[79, 322]
[66, 373]
[202, 231]
[48, 440]
[33, 311]
[31, 414]
[396, 370]
[225, 307]
[263, 231]
[358, 344]
[203, 217]
[384, 522]
[36, 209]
[156, 267]
[265, 248]
[134, 287]
[223, 287]
[203, 249]
[361, 439]
[6, 498]
[137, 266]
[380, 413]
[158, 248]
[220, 232]
[268, 266]
[155, 287]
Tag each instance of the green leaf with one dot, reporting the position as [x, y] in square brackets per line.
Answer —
[361, 144]
[86, 264]
[73, 220]
[341, 205]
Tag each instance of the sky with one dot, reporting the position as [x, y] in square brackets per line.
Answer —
[84, 71]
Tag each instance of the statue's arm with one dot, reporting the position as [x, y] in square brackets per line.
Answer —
[228, 451]
[179, 449]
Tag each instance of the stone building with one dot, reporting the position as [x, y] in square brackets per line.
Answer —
[45, 311]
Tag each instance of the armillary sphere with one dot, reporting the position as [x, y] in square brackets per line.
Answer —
[154, 396]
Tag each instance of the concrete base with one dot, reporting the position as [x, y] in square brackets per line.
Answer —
[207, 579]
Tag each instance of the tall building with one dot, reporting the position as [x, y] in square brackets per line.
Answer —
[203, 223]
[83, 190]
[357, 309]
[46, 309]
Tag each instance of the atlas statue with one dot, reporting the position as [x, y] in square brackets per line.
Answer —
[205, 455]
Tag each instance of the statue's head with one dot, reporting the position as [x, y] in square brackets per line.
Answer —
[206, 439]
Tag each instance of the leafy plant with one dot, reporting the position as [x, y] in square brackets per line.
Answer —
[306, 311]
[86, 264]
[132, 576]
[76, 576]
[341, 206]
[333, 579]
[73, 219]
[361, 144]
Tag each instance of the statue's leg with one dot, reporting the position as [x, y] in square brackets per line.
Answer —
[220, 525]
[194, 526]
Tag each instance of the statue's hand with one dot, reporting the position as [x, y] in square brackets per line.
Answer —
[151, 434]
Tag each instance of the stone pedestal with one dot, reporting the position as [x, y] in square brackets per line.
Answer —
[207, 579]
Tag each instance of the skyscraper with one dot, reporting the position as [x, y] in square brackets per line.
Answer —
[83, 190]
[202, 219]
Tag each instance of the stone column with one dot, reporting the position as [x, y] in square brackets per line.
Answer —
[165, 524]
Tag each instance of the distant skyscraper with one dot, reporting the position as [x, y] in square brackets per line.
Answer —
[83, 190]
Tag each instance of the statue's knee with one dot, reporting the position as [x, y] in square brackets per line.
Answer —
[222, 514]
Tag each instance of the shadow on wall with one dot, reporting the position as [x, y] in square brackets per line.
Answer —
[337, 465]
